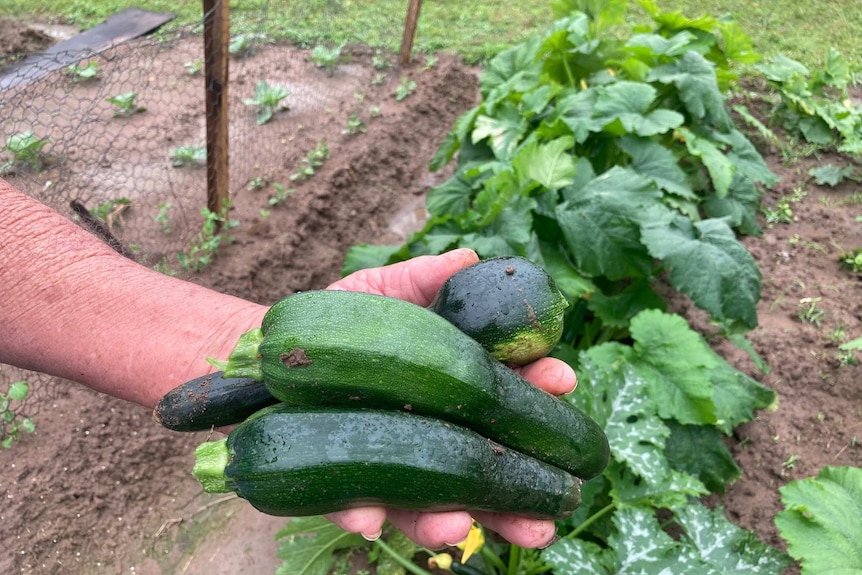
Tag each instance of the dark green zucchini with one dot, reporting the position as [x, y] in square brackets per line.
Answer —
[341, 348]
[305, 461]
[508, 304]
[211, 401]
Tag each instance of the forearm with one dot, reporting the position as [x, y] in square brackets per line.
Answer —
[74, 308]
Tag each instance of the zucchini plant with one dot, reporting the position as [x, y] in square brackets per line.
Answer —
[609, 157]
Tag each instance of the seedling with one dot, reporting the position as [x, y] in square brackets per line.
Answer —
[281, 194]
[354, 125]
[405, 88]
[125, 105]
[378, 79]
[268, 100]
[244, 45]
[430, 61]
[88, 71]
[374, 111]
[780, 214]
[188, 156]
[26, 151]
[379, 61]
[852, 260]
[12, 425]
[162, 217]
[194, 67]
[208, 240]
[328, 58]
[312, 161]
[809, 312]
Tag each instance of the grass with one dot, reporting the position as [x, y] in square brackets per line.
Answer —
[476, 30]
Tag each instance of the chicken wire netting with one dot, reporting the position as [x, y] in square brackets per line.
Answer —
[116, 139]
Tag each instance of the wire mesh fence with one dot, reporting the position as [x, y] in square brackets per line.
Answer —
[116, 138]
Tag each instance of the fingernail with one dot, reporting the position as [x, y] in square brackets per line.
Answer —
[454, 544]
[551, 542]
[373, 536]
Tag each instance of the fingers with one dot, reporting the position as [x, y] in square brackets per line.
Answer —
[367, 521]
[432, 530]
[524, 532]
[416, 280]
[554, 376]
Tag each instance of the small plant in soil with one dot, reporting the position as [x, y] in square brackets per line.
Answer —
[378, 79]
[162, 218]
[809, 312]
[204, 247]
[379, 61]
[329, 58]
[194, 67]
[12, 424]
[188, 156]
[354, 125]
[281, 194]
[852, 260]
[268, 100]
[26, 150]
[246, 44]
[85, 72]
[405, 88]
[124, 104]
[311, 162]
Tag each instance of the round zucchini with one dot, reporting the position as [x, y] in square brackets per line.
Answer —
[310, 461]
[508, 304]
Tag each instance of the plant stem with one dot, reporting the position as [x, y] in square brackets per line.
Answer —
[590, 520]
[401, 560]
[514, 559]
[491, 559]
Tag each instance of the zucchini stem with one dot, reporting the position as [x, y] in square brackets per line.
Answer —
[211, 459]
[400, 559]
[244, 360]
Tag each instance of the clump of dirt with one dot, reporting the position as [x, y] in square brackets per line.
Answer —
[18, 40]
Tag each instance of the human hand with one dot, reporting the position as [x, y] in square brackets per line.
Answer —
[417, 281]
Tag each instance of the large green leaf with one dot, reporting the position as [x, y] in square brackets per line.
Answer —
[822, 521]
[739, 206]
[306, 545]
[718, 165]
[708, 263]
[552, 164]
[617, 310]
[700, 451]
[697, 86]
[578, 557]
[629, 104]
[504, 130]
[656, 162]
[724, 547]
[601, 224]
[636, 435]
[676, 362]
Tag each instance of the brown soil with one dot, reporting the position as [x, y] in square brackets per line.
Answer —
[100, 488]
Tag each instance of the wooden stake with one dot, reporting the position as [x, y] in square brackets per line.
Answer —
[216, 41]
[409, 30]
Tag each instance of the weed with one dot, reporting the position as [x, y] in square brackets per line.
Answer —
[379, 61]
[188, 156]
[26, 151]
[405, 88]
[246, 44]
[780, 214]
[852, 260]
[809, 312]
[354, 125]
[430, 61]
[268, 100]
[313, 160]
[378, 79]
[194, 67]
[89, 71]
[11, 422]
[162, 217]
[280, 195]
[208, 240]
[124, 104]
[329, 58]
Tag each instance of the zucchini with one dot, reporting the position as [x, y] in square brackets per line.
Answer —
[341, 348]
[211, 401]
[508, 304]
[310, 461]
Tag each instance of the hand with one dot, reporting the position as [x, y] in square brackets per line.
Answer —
[417, 280]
